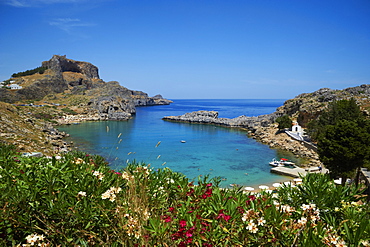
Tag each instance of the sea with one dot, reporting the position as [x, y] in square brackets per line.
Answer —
[191, 149]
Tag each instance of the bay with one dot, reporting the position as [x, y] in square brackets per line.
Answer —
[208, 150]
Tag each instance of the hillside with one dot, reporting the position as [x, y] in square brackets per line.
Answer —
[30, 129]
[66, 91]
[77, 85]
[308, 106]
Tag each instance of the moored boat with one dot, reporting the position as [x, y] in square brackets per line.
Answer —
[286, 162]
[281, 162]
[276, 163]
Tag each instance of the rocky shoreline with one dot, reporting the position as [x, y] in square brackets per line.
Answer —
[261, 128]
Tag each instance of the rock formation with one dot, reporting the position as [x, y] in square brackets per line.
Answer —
[78, 86]
[60, 64]
[211, 117]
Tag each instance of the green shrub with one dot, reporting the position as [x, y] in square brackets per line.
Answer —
[69, 111]
[284, 122]
[77, 200]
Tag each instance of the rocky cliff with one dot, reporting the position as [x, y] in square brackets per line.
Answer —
[60, 64]
[77, 85]
[308, 106]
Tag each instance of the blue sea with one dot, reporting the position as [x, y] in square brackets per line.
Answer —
[208, 150]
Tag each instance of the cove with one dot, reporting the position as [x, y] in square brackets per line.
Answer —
[208, 150]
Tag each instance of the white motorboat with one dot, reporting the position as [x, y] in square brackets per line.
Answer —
[276, 163]
[281, 162]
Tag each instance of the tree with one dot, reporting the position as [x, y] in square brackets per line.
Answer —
[284, 122]
[337, 110]
[343, 135]
[343, 148]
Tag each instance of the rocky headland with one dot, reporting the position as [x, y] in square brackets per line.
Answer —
[303, 108]
[77, 85]
[65, 92]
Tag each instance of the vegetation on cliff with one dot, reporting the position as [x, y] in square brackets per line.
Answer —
[284, 122]
[76, 200]
[39, 70]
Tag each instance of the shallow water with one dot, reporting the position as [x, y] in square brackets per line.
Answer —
[213, 150]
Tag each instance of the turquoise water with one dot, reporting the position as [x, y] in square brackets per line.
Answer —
[213, 150]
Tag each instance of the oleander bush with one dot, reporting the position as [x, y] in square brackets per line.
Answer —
[77, 200]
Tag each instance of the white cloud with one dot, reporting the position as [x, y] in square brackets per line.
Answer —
[67, 24]
[32, 3]
[15, 3]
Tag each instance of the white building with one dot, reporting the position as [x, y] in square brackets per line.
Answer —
[14, 86]
[296, 128]
[296, 132]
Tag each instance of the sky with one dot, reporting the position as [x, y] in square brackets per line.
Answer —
[196, 49]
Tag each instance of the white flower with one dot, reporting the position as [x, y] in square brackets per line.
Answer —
[41, 237]
[252, 227]
[112, 197]
[245, 217]
[365, 243]
[302, 221]
[305, 207]
[98, 174]
[81, 193]
[105, 195]
[341, 243]
[261, 221]
[33, 238]
[111, 193]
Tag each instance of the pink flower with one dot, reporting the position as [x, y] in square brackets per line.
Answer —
[252, 197]
[188, 233]
[222, 215]
[190, 192]
[227, 217]
[189, 240]
[167, 218]
[182, 223]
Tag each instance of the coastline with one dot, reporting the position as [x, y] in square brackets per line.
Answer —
[262, 128]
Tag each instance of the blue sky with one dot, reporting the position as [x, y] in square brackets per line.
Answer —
[243, 49]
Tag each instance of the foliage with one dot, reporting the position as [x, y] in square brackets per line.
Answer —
[284, 122]
[69, 111]
[337, 111]
[344, 147]
[43, 115]
[343, 136]
[39, 70]
[76, 200]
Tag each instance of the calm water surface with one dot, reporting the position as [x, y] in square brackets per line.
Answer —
[212, 150]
